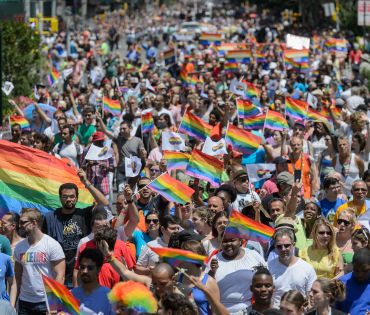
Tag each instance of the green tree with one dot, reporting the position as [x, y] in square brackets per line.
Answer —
[21, 56]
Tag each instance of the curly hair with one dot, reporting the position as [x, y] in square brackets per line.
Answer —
[178, 304]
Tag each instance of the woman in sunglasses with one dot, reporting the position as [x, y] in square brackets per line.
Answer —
[345, 224]
[324, 255]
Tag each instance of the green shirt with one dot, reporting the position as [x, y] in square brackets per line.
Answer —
[85, 132]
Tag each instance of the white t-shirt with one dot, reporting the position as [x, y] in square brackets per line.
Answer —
[147, 257]
[243, 199]
[36, 259]
[299, 276]
[70, 151]
[234, 278]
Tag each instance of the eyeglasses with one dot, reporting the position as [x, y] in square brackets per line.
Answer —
[345, 222]
[148, 221]
[283, 246]
[324, 233]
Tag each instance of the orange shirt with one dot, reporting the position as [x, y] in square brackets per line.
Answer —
[306, 171]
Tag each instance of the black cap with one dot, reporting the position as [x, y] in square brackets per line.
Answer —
[361, 107]
[280, 160]
[189, 235]
[229, 189]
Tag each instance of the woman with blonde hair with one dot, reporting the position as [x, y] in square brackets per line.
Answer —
[293, 303]
[345, 224]
[324, 255]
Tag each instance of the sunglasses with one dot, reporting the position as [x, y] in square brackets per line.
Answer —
[154, 170]
[283, 246]
[148, 221]
[242, 179]
[345, 222]
[324, 233]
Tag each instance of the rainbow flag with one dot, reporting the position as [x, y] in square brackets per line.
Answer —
[171, 189]
[297, 55]
[261, 54]
[246, 109]
[20, 120]
[231, 67]
[223, 48]
[275, 121]
[295, 109]
[59, 298]
[300, 66]
[316, 116]
[184, 77]
[241, 226]
[31, 178]
[208, 38]
[194, 127]
[147, 123]
[255, 122]
[205, 167]
[242, 140]
[169, 57]
[176, 160]
[337, 45]
[112, 106]
[251, 90]
[174, 256]
[241, 55]
[53, 76]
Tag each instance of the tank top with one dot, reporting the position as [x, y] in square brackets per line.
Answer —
[306, 170]
[350, 173]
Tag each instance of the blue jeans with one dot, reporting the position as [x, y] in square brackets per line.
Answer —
[28, 308]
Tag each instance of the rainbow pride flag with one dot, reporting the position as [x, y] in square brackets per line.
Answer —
[241, 226]
[251, 90]
[209, 38]
[60, 299]
[241, 55]
[194, 127]
[20, 120]
[184, 77]
[223, 48]
[316, 115]
[147, 123]
[231, 67]
[53, 76]
[298, 55]
[169, 57]
[254, 122]
[337, 45]
[171, 189]
[205, 167]
[275, 121]
[176, 160]
[300, 66]
[174, 256]
[261, 54]
[31, 178]
[242, 140]
[295, 109]
[112, 106]
[246, 109]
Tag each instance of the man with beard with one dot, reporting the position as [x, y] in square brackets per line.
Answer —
[91, 294]
[69, 224]
[289, 272]
[37, 254]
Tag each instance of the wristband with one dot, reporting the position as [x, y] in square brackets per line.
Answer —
[109, 258]
[88, 185]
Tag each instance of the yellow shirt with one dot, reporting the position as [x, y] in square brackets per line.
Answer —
[359, 210]
[319, 260]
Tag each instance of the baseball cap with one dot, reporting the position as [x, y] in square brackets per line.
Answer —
[97, 136]
[280, 160]
[240, 173]
[285, 178]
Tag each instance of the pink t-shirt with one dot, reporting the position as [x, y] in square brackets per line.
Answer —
[270, 186]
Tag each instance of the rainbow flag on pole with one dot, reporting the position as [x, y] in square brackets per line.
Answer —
[31, 178]
[231, 67]
[241, 55]
[242, 140]
[295, 54]
[246, 109]
[195, 127]
[171, 189]
[275, 121]
[241, 226]
[176, 160]
[295, 109]
[147, 123]
[205, 167]
[316, 115]
[254, 122]
[208, 38]
[20, 120]
[174, 256]
[261, 54]
[53, 76]
[112, 106]
[169, 57]
[251, 90]
[59, 298]
[337, 45]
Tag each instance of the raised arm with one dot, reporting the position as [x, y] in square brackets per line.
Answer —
[132, 213]
[98, 195]
[17, 108]
[42, 114]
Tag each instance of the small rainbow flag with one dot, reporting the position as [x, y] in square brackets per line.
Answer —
[59, 298]
[174, 256]
[261, 54]
[337, 45]
[295, 109]
[194, 127]
[254, 122]
[147, 123]
[169, 57]
[223, 48]
[112, 106]
[242, 140]
[53, 76]
[241, 55]
[20, 120]
[316, 116]
[184, 77]
[297, 55]
[241, 226]
[275, 121]
[205, 167]
[231, 67]
[246, 109]
[171, 189]
[208, 38]
[251, 90]
[176, 160]
[300, 66]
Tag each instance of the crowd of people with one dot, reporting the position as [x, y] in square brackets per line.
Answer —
[317, 197]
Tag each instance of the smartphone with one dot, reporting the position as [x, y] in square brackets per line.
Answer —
[297, 175]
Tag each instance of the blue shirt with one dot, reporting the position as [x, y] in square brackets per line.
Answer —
[97, 301]
[357, 296]
[330, 206]
[139, 239]
[6, 270]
